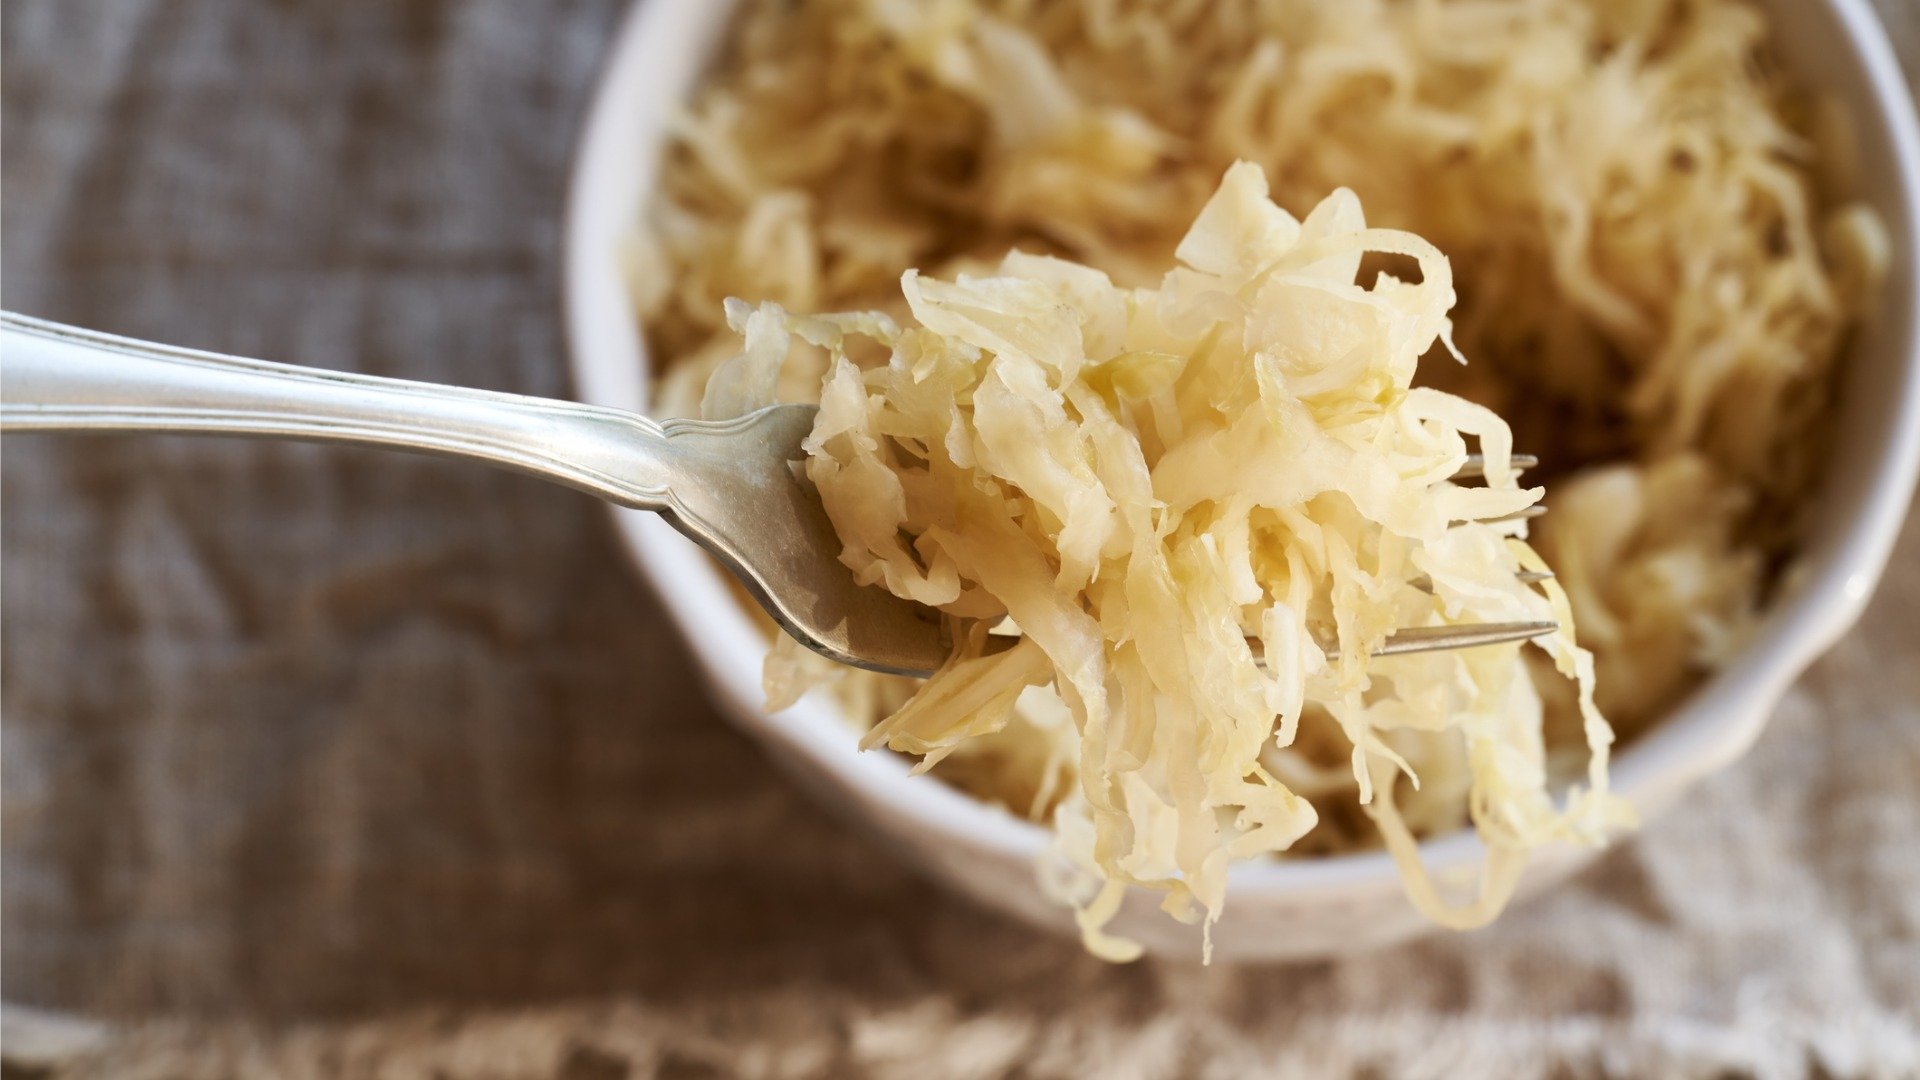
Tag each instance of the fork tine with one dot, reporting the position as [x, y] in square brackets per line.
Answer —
[1412, 639]
[1476, 465]
[1524, 577]
[1528, 514]
[1415, 639]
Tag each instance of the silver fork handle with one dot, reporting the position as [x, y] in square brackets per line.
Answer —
[61, 378]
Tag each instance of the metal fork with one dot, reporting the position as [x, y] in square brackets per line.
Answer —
[729, 485]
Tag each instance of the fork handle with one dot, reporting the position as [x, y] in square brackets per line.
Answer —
[62, 378]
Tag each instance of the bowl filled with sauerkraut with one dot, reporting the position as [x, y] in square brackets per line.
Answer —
[1191, 345]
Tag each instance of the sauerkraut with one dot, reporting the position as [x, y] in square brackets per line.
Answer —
[1654, 279]
[1201, 506]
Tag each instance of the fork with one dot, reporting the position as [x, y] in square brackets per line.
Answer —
[731, 486]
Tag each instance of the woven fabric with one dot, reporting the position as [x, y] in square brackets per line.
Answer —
[319, 762]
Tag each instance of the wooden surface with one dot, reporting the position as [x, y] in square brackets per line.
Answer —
[317, 759]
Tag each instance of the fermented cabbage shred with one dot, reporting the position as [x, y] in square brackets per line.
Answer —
[1201, 506]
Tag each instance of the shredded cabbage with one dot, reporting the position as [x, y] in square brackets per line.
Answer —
[1183, 498]
[1654, 283]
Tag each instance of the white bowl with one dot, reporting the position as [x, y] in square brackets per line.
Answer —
[1277, 909]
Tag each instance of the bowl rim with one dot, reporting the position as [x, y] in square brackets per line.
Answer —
[1713, 725]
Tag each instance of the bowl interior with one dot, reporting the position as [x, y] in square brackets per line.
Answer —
[1841, 51]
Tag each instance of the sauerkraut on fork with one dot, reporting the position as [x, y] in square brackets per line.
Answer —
[1201, 505]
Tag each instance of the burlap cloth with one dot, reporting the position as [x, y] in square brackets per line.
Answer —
[322, 762]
